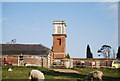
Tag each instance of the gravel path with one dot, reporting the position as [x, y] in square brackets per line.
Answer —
[66, 71]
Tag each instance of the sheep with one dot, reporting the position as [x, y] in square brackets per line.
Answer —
[36, 75]
[94, 74]
[9, 69]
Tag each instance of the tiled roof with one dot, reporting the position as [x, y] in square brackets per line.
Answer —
[25, 49]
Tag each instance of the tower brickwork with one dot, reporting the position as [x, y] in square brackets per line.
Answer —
[59, 39]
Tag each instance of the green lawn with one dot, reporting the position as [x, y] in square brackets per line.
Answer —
[109, 74]
[22, 73]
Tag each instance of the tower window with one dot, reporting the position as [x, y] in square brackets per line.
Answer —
[63, 30]
[59, 41]
[59, 30]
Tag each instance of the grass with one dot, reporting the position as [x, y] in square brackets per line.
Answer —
[22, 73]
[109, 74]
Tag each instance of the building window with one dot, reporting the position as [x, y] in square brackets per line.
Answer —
[59, 41]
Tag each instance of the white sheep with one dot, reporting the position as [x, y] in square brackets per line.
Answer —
[36, 75]
[94, 74]
[9, 69]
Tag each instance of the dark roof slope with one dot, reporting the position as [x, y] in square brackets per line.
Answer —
[25, 49]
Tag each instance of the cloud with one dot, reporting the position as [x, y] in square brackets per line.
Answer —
[4, 19]
[35, 28]
[29, 28]
[113, 6]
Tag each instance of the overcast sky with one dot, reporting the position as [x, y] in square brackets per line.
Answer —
[93, 23]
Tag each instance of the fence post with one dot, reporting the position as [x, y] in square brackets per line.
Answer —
[42, 61]
[18, 60]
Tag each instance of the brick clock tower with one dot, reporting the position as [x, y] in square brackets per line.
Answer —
[59, 39]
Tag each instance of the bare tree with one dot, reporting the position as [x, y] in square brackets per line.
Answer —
[105, 50]
[114, 56]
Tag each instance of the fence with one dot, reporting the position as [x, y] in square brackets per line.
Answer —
[35, 61]
[81, 63]
[94, 63]
[62, 63]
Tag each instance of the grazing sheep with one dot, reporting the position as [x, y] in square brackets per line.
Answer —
[94, 74]
[36, 75]
[9, 69]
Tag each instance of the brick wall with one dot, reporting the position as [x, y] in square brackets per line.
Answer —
[12, 59]
[33, 60]
[59, 55]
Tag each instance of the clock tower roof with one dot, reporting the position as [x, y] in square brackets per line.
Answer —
[59, 22]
